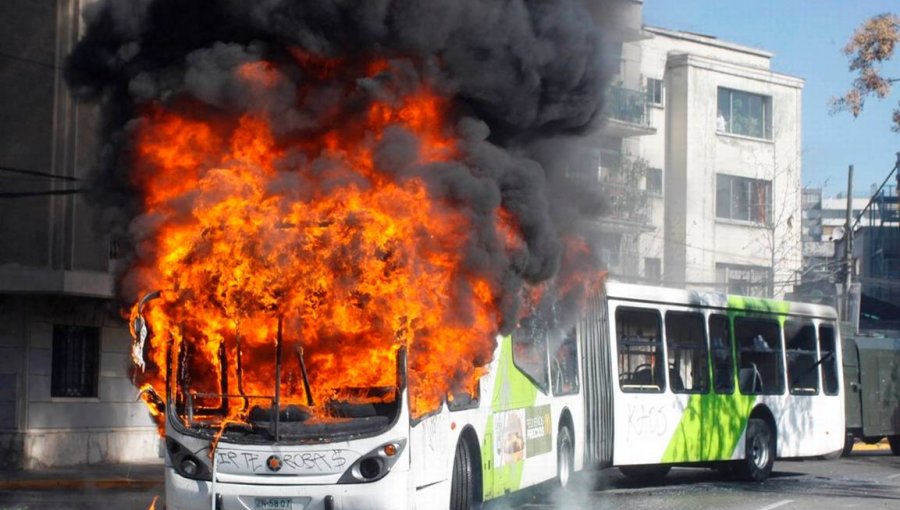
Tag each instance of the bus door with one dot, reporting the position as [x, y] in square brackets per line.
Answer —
[689, 375]
[644, 412]
[722, 411]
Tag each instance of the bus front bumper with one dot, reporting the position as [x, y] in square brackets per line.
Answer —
[389, 493]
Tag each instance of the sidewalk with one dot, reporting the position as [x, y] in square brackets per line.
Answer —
[103, 476]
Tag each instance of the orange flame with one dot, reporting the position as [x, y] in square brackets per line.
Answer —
[358, 262]
[248, 234]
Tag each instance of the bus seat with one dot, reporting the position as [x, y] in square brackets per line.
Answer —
[750, 379]
[675, 380]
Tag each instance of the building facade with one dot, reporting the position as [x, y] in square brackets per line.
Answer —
[65, 391]
[726, 149]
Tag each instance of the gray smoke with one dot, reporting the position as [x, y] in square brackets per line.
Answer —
[520, 73]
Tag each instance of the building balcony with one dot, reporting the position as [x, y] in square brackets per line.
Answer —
[628, 208]
[627, 113]
[24, 280]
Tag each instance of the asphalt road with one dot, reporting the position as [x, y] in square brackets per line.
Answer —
[868, 480]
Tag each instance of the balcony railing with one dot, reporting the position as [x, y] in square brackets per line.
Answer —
[627, 203]
[628, 105]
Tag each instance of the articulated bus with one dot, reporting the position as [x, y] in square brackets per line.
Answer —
[648, 378]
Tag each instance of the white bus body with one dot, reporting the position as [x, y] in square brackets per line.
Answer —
[550, 403]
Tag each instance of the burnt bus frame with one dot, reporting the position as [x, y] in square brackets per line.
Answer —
[183, 400]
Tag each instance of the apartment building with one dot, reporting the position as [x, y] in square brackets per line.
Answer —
[722, 163]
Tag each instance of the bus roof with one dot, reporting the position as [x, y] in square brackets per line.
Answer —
[665, 295]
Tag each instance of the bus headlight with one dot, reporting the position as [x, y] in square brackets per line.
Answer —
[186, 463]
[374, 465]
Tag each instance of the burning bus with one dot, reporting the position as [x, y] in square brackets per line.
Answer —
[559, 395]
[355, 257]
[337, 213]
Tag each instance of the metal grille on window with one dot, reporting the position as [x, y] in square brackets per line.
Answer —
[75, 361]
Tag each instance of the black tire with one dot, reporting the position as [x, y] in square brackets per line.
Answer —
[872, 439]
[648, 473]
[465, 480]
[894, 441]
[565, 457]
[759, 452]
[848, 445]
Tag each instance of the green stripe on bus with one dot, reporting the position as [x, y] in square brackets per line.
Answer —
[710, 428]
[512, 390]
[712, 424]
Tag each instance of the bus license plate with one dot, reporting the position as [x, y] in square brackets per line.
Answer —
[274, 504]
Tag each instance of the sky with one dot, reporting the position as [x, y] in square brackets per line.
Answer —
[806, 37]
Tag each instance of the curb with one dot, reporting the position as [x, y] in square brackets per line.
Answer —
[859, 446]
[97, 483]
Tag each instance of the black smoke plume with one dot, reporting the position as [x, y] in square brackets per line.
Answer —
[519, 72]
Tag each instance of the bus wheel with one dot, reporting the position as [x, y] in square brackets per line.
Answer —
[650, 472]
[462, 488]
[894, 441]
[759, 453]
[565, 458]
[848, 444]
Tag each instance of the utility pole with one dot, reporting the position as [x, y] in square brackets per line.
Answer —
[850, 308]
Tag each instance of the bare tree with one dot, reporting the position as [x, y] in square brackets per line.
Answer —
[872, 44]
[779, 237]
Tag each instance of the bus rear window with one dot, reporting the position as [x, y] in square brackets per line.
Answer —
[802, 358]
[828, 360]
[639, 350]
[761, 369]
[722, 354]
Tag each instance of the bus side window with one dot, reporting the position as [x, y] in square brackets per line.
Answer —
[640, 350]
[802, 366]
[722, 354]
[529, 353]
[761, 369]
[828, 359]
[686, 349]
[564, 366]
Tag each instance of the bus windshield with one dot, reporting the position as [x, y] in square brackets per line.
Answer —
[352, 412]
[261, 384]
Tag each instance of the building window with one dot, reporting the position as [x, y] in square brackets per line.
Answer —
[610, 248]
[583, 166]
[654, 181]
[652, 269]
[743, 113]
[744, 280]
[654, 91]
[75, 361]
[743, 199]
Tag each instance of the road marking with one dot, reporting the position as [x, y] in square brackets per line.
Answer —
[776, 505]
[892, 477]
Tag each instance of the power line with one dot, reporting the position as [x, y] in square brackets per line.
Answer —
[27, 194]
[27, 60]
[37, 173]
